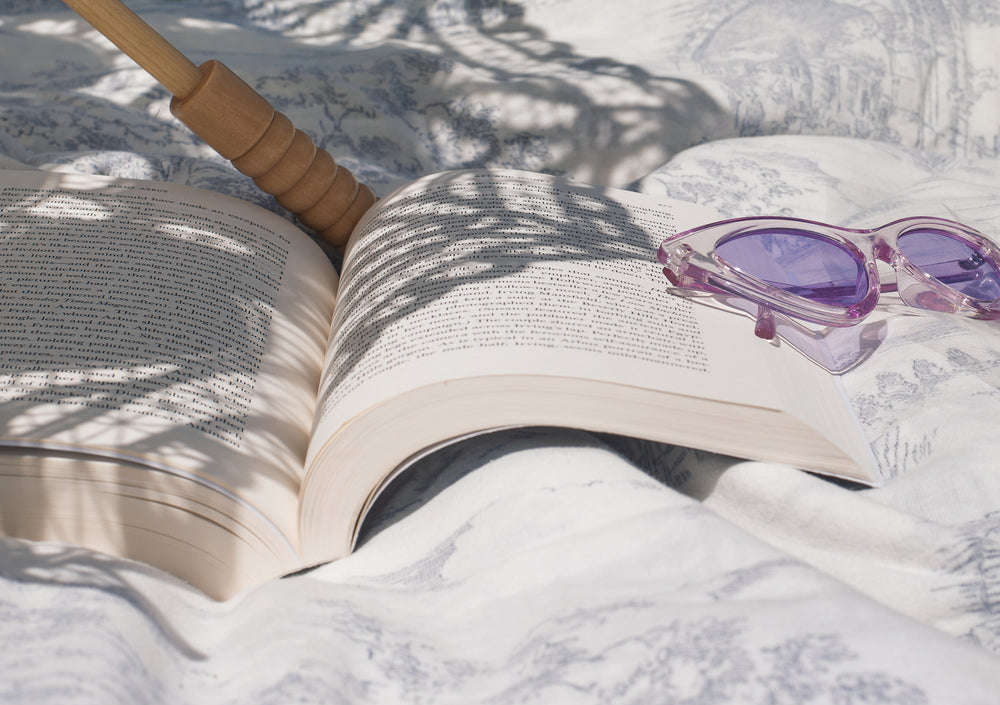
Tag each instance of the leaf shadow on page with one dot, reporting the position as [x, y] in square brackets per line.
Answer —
[134, 335]
[498, 262]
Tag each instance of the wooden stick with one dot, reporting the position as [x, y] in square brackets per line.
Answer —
[138, 40]
[240, 125]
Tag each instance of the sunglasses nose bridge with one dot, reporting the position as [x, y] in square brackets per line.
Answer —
[881, 250]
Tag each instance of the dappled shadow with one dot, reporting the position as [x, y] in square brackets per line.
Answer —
[142, 334]
[80, 569]
[417, 99]
[114, 303]
[136, 333]
[525, 254]
[477, 85]
[393, 90]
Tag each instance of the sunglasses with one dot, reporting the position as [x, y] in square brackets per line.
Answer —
[828, 275]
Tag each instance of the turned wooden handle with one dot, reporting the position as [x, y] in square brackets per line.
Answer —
[261, 142]
[240, 125]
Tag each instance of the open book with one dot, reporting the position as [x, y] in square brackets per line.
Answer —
[184, 380]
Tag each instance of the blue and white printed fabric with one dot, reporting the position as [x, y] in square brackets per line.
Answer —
[556, 566]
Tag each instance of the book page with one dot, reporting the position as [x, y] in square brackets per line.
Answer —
[165, 325]
[472, 274]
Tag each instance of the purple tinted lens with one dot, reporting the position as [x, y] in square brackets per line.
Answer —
[799, 262]
[953, 261]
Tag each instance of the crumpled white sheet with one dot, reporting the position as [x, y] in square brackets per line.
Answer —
[545, 565]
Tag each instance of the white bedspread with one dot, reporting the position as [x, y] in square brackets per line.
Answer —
[554, 566]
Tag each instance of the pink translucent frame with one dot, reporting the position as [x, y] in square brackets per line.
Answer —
[708, 262]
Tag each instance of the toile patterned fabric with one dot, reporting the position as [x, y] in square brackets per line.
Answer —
[556, 566]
